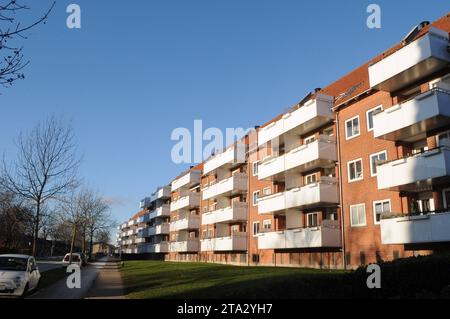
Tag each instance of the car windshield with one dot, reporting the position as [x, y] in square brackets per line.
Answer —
[13, 263]
[75, 258]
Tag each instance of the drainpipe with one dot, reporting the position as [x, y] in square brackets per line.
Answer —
[340, 190]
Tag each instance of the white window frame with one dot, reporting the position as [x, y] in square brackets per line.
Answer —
[362, 170]
[267, 222]
[309, 140]
[441, 133]
[365, 215]
[359, 125]
[374, 210]
[255, 164]
[446, 205]
[253, 198]
[307, 219]
[253, 228]
[371, 111]
[313, 175]
[269, 191]
[372, 174]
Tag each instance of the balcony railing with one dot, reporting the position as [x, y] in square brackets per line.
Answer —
[415, 172]
[162, 247]
[321, 194]
[321, 153]
[233, 185]
[236, 242]
[190, 222]
[411, 120]
[186, 202]
[234, 213]
[190, 245]
[161, 193]
[162, 211]
[411, 63]
[187, 180]
[416, 229]
[231, 156]
[145, 203]
[325, 236]
[313, 114]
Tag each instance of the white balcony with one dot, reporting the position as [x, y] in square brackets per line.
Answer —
[132, 222]
[145, 203]
[233, 185]
[321, 194]
[139, 240]
[191, 245]
[236, 212]
[162, 211]
[231, 156]
[143, 219]
[187, 202]
[410, 121]
[321, 153]
[159, 229]
[313, 114]
[325, 236]
[186, 181]
[161, 193]
[416, 172]
[124, 225]
[129, 232]
[191, 222]
[430, 228]
[411, 63]
[236, 242]
[162, 247]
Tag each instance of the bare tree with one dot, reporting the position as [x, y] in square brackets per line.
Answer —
[12, 60]
[45, 168]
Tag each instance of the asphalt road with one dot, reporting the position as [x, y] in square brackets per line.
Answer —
[59, 290]
[48, 265]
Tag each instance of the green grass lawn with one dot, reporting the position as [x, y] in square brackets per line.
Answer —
[156, 279]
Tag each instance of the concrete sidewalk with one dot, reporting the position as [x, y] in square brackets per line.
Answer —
[109, 284]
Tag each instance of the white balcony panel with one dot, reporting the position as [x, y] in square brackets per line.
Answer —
[187, 202]
[162, 211]
[232, 185]
[192, 245]
[319, 194]
[411, 63]
[416, 172]
[430, 228]
[410, 121]
[232, 155]
[316, 237]
[231, 243]
[238, 212]
[321, 153]
[308, 117]
[192, 222]
[161, 193]
[149, 248]
[187, 180]
[145, 203]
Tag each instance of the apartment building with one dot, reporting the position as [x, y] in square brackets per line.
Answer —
[184, 242]
[357, 172]
[224, 206]
[127, 238]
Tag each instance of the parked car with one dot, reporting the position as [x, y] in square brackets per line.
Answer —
[19, 275]
[77, 258]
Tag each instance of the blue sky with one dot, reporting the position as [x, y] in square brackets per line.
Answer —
[137, 70]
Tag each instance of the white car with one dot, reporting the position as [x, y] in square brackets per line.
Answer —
[77, 259]
[19, 275]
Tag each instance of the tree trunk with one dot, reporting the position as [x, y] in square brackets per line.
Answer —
[72, 244]
[91, 243]
[36, 228]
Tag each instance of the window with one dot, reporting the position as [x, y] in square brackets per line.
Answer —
[358, 215]
[312, 219]
[255, 198]
[255, 166]
[374, 158]
[369, 116]
[355, 170]
[255, 228]
[267, 224]
[352, 128]
[234, 229]
[310, 140]
[443, 139]
[310, 179]
[380, 207]
[328, 131]
[267, 191]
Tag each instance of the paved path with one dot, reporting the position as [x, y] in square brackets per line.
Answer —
[109, 284]
[59, 290]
